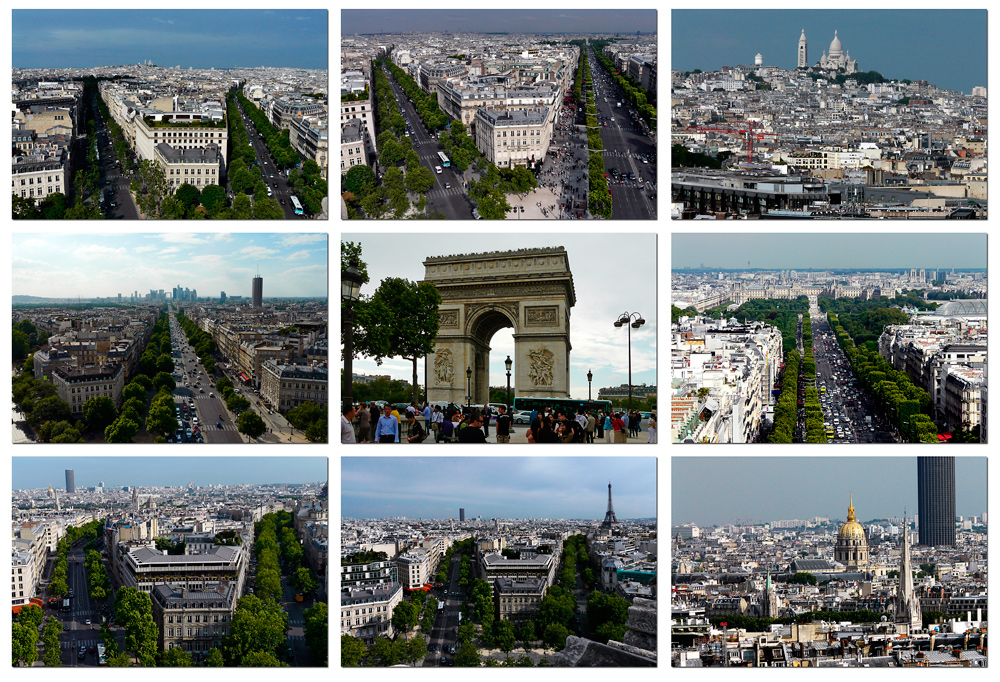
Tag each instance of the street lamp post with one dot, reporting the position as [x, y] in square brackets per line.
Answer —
[626, 319]
[350, 292]
[590, 378]
[507, 363]
[468, 388]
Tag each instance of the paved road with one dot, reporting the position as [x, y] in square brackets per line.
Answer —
[275, 180]
[111, 178]
[624, 145]
[847, 399]
[209, 406]
[451, 201]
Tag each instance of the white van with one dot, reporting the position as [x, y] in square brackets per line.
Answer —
[437, 169]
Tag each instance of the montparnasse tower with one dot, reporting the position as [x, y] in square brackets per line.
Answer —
[803, 51]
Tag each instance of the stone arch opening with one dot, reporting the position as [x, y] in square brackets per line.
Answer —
[528, 290]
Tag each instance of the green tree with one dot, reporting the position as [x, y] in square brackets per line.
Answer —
[119, 660]
[161, 420]
[468, 656]
[503, 635]
[163, 380]
[176, 657]
[359, 181]
[121, 431]
[257, 625]
[213, 197]
[304, 581]
[261, 659]
[802, 578]
[242, 208]
[416, 649]
[419, 180]
[164, 363]
[555, 635]
[316, 628]
[466, 633]
[21, 344]
[214, 658]
[400, 320]
[188, 195]
[99, 412]
[52, 408]
[24, 639]
[404, 616]
[387, 652]
[250, 424]
[134, 390]
[237, 403]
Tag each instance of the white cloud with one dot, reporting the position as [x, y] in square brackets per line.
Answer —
[297, 239]
[170, 249]
[163, 21]
[223, 237]
[182, 238]
[299, 255]
[144, 249]
[255, 252]
[34, 244]
[95, 252]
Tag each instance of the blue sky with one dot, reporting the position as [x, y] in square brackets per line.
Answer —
[41, 472]
[91, 265]
[170, 37]
[495, 21]
[719, 490]
[823, 250]
[612, 273]
[945, 47]
[497, 487]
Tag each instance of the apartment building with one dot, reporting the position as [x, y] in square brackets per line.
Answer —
[415, 568]
[195, 620]
[355, 108]
[509, 138]
[37, 175]
[529, 566]
[352, 146]
[284, 386]
[366, 612]
[76, 385]
[518, 600]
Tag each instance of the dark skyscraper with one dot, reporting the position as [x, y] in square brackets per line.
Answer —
[70, 483]
[258, 291]
[461, 514]
[936, 501]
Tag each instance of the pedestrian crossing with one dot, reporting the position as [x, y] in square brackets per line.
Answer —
[444, 192]
[76, 644]
[296, 638]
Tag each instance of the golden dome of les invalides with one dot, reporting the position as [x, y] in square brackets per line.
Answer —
[852, 545]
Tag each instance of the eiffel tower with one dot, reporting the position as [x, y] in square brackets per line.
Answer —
[609, 518]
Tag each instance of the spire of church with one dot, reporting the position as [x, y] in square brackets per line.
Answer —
[907, 604]
[850, 510]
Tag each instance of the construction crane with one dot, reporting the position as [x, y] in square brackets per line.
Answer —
[750, 133]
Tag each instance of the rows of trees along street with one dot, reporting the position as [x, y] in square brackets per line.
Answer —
[304, 177]
[398, 319]
[405, 182]
[637, 96]
[257, 631]
[599, 194]
[52, 418]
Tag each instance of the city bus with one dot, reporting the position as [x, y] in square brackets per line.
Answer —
[101, 660]
[445, 163]
[567, 405]
[296, 205]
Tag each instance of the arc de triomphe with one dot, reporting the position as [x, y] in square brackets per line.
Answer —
[530, 290]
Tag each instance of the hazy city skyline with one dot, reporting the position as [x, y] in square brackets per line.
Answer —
[497, 487]
[41, 472]
[102, 265]
[514, 21]
[202, 39]
[898, 43]
[722, 490]
[787, 251]
[597, 345]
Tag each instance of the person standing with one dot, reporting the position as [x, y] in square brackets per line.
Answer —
[619, 427]
[417, 433]
[591, 425]
[485, 415]
[624, 432]
[651, 427]
[607, 427]
[387, 429]
[473, 433]
[503, 426]
[427, 416]
[364, 424]
[346, 427]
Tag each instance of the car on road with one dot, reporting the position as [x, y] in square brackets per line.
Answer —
[82, 653]
[522, 416]
[437, 169]
[88, 621]
[432, 647]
